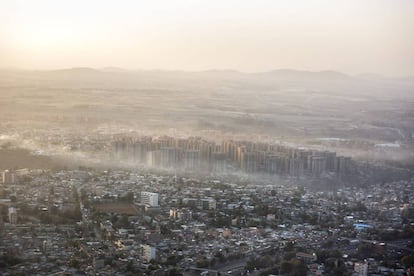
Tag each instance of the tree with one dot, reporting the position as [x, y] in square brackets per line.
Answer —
[202, 262]
[123, 222]
[299, 267]
[289, 255]
[250, 265]
[174, 272]
[408, 261]
[286, 267]
[129, 267]
[220, 256]
[265, 261]
[74, 263]
[8, 259]
[172, 260]
[289, 246]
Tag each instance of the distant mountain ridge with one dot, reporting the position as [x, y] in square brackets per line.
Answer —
[285, 74]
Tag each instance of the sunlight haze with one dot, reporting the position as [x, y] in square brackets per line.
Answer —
[348, 36]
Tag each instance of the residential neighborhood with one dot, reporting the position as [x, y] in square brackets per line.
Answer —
[122, 222]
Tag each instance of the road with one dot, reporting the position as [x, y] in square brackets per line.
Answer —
[388, 244]
[232, 266]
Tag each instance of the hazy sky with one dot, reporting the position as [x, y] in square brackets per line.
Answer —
[352, 36]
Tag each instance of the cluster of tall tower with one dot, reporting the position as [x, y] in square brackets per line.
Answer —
[192, 154]
[196, 154]
[8, 177]
[284, 160]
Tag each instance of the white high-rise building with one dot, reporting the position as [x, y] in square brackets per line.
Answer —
[148, 252]
[12, 215]
[149, 199]
[7, 177]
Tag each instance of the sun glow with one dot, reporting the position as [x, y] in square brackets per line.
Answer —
[351, 36]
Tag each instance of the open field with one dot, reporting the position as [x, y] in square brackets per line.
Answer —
[282, 105]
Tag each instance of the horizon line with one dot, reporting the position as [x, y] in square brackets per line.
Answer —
[102, 69]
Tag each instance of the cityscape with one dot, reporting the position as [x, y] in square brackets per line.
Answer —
[196, 154]
[100, 222]
[185, 138]
[191, 206]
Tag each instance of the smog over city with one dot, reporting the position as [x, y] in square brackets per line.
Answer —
[207, 137]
